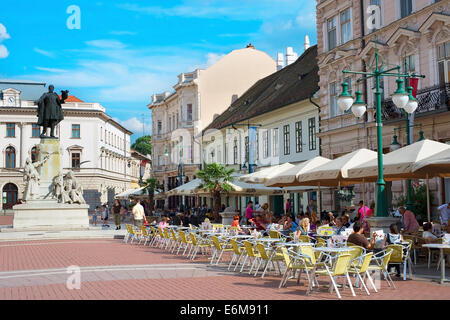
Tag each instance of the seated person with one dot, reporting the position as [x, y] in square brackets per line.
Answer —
[358, 238]
[428, 235]
[332, 219]
[258, 223]
[393, 237]
[339, 225]
[289, 225]
[315, 226]
[303, 228]
[346, 220]
[326, 221]
[163, 223]
[409, 220]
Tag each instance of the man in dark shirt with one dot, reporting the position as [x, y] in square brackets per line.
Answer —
[358, 238]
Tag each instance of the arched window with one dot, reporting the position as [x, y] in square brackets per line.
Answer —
[11, 192]
[10, 157]
[34, 154]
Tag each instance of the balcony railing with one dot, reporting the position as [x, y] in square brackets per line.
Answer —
[430, 99]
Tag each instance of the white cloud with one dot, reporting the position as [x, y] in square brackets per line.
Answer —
[44, 52]
[3, 33]
[106, 44]
[135, 125]
[122, 33]
[50, 69]
[4, 53]
[212, 58]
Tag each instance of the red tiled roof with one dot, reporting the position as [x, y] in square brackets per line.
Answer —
[72, 99]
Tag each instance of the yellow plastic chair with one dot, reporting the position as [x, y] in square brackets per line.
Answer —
[144, 235]
[274, 234]
[167, 238]
[155, 236]
[381, 260]
[199, 244]
[269, 257]
[304, 238]
[295, 262]
[184, 242]
[220, 248]
[338, 269]
[176, 241]
[252, 254]
[360, 265]
[238, 252]
[399, 256]
[130, 233]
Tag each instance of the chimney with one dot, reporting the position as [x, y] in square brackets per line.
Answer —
[280, 61]
[291, 56]
[307, 43]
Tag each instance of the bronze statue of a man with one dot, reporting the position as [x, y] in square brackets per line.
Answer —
[50, 111]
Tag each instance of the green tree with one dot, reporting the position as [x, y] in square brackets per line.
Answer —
[215, 178]
[419, 201]
[143, 145]
[152, 185]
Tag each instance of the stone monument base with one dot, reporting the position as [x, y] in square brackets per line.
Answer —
[377, 223]
[50, 215]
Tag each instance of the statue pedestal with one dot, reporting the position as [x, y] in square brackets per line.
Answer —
[227, 217]
[51, 168]
[50, 215]
[383, 223]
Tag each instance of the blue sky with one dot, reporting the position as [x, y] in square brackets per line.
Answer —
[127, 50]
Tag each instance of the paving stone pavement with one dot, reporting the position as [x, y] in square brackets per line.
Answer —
[112, 269]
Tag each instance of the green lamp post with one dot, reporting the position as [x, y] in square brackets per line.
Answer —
[401, 98]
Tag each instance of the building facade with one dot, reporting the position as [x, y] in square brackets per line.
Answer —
[414, 34]
[95, 147]
[200, 96]
[282, 110]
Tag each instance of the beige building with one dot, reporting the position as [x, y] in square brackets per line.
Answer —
[198, 98]
[412, 33]
[282, 108]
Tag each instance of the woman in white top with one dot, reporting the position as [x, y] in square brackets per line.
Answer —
[428, 235]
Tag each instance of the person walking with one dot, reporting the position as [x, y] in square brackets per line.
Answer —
[138, 214]
[94, 216]
[105, 216]
[249, 212]
[116, 209]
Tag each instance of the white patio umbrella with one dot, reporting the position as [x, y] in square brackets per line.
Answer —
[437, 165]
[400, 164]
[262, 176]
[288, 178]
[239, 188]
[335, 172]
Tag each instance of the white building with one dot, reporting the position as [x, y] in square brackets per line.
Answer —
[95, 146]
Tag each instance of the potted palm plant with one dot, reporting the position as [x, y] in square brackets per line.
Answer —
[215, 180]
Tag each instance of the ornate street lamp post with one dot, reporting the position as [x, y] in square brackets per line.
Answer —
[401, 98]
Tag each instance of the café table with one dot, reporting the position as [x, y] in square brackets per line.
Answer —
[441, 248]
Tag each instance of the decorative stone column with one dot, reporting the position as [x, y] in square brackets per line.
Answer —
[227, 216]
[51, 168]
[377, 223]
